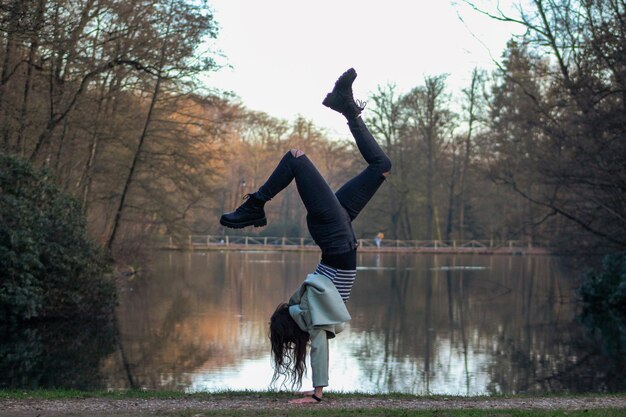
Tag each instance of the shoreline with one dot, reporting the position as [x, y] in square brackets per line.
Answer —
[130, 403]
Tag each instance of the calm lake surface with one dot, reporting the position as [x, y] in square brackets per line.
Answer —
[422, 324]
[438, 324]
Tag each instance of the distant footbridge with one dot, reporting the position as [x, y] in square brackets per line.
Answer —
[273, 243]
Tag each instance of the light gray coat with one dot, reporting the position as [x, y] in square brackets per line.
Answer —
[318, 309]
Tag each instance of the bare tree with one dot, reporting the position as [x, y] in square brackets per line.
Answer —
[576, 113]
[431, 123]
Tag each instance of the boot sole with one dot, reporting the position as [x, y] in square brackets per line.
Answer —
[256, 223]
[328, 100]
[333, 102]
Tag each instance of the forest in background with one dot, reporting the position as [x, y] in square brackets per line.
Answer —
[106, 96]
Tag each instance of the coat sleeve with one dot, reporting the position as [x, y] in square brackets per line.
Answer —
[296, 297]
[319, 357]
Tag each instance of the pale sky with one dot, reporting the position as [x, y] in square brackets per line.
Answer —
[286, 54]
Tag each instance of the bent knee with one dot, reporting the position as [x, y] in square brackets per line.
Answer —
[385, 166]
[297, 153]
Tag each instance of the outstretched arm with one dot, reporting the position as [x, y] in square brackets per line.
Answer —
[319, 366]
[319, 358]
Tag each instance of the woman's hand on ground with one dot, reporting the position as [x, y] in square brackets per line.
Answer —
[304, 400]
[313, 396]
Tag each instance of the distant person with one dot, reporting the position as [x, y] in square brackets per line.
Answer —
[379, 238]
[317, 312]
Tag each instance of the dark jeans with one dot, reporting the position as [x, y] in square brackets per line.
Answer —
[330, 215]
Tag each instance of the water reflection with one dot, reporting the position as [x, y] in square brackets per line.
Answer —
[418, 339]
[55, 355]
[421, 324]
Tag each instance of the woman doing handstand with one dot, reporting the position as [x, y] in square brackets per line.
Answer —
[317, 312]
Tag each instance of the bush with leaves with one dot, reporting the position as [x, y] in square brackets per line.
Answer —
[604, 303]
[48, 267]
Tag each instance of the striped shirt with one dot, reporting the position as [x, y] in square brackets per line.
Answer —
[342, 278]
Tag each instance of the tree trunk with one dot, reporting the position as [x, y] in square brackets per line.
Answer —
[86, 178]
[34, 46]
[133, 166]
[451, 192]
[429, 190]
[471, 95]
[7, 71]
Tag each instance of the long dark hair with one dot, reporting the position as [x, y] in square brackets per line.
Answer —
[288, 347]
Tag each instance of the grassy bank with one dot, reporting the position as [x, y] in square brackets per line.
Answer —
[266, 404]
[381, 412]
[53, 394]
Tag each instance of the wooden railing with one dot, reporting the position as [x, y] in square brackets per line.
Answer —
[208, 242]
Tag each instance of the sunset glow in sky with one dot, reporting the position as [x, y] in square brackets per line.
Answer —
[285, 55]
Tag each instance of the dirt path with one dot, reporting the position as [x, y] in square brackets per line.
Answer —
[96, 407]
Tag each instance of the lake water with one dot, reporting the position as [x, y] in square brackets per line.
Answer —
[422, 324]
[439, 324]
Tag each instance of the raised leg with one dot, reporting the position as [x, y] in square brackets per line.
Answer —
[358, 191]
[320, 201]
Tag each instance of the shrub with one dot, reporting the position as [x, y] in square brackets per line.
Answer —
[48, 267]
[603, 295]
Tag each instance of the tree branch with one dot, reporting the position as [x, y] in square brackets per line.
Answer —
[581, 223]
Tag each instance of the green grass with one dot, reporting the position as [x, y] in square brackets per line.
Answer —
[379, 412]
[43, 394]
[61, 394]
[313, 411]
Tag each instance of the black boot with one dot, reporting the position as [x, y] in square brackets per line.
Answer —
[250, 213]
[341, 99]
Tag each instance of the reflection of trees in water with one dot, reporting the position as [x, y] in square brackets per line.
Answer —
[55, 355]
[199, 313]
[391, 350]
[425, 325]
[603, 296]
[510, 327]
[545, 344]
[381, 365]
